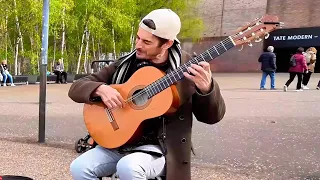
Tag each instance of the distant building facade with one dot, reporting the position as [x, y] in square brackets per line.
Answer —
[223, 17]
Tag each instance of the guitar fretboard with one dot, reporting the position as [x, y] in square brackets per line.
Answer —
[176, 75]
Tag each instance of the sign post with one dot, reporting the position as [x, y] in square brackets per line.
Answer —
[43, 71]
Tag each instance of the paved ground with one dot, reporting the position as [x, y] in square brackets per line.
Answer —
[264, 135]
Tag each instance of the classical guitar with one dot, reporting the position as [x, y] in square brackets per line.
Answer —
[151, 93]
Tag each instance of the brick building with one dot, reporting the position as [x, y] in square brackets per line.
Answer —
[223, 17]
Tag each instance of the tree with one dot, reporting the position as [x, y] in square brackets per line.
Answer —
[81, 30]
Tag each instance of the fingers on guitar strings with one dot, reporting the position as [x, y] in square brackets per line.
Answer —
[109, 106]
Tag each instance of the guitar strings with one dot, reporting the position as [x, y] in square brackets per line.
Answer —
[173, 73]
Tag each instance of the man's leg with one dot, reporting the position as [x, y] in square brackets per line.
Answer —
[97, 162]
[263, 80]
[64, 74]
[272, 79]
[140, 166]
[58, 76]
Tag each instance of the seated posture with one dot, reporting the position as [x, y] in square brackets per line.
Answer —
[164, 146]
[59, 71]
[5, 73]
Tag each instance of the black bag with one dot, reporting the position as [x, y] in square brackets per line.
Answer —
[13, 177]
[293, 61]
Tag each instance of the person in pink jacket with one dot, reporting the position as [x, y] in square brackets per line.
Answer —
[298, 66]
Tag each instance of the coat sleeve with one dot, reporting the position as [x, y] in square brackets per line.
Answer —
[81, 90]
[274, 61]
[209, 108]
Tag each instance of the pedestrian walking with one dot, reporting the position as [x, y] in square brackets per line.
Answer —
[298, 66]
[268, 67]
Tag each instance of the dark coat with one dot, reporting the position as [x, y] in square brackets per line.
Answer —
[268, 61]
[208, 109]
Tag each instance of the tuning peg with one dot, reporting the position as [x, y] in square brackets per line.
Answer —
[241, 48]
[281, 24]
[266, 36]
[258, 40]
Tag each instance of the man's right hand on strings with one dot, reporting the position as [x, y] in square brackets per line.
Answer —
[110, 96]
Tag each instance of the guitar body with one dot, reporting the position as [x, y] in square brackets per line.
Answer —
[114, 128]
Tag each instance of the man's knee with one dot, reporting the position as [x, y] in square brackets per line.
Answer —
[130, 170]
[79, 169]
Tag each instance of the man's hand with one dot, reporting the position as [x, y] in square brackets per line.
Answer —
[110, 97]
[201, 76]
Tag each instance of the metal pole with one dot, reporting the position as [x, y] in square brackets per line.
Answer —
[43, 71]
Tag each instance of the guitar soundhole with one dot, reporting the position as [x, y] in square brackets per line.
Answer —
[139, 97]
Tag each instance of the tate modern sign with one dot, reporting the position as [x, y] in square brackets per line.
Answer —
[291, 38]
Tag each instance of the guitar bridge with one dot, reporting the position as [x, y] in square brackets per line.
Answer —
[112, 121]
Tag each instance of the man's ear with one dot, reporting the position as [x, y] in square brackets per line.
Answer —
[168, 44]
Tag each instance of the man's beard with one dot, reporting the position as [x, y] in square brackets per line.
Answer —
[148, 56]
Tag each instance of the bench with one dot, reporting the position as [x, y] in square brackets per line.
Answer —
[19, 79]
[34, 79]
[52, 78]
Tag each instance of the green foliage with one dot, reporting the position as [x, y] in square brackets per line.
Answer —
[99, 16]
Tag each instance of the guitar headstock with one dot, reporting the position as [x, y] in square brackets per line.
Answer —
[260, 27]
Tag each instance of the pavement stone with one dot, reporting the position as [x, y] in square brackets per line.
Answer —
[264, 135]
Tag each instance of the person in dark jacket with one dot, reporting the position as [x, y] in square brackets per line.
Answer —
[268, 67]
[300, 67]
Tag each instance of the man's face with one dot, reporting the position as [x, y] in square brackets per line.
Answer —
[147, 45]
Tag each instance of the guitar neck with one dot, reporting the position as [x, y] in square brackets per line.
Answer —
[176, 75]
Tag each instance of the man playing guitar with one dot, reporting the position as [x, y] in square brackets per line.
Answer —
[164, 147]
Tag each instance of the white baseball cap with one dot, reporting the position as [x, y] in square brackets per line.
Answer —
[167, 24]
